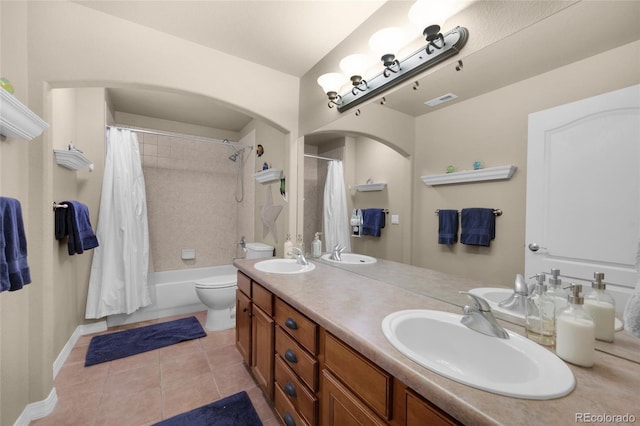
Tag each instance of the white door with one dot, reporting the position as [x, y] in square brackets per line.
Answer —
[583, 191]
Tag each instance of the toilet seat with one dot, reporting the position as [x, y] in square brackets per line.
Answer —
[221, 281]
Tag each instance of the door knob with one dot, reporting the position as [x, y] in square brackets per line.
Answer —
[535, 247]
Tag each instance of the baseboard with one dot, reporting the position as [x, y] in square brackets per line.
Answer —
[38, 410]
[81, 330]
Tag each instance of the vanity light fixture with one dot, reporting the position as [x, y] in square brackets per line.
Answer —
[398, 71]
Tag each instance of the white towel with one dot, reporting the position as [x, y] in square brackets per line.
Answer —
[632, 309]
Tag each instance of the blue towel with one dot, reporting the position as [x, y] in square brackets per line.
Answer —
[478, 226]
[74, 222]
[447, 226]
[373, 220]
[88, 239]
[14, 270]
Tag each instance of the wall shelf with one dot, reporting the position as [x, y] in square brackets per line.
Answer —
[72, 159]
[18, 121]
[366, 187]
[269, 175]
[490, 173]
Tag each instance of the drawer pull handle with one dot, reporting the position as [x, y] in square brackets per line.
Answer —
[290, 390]
[291, 324]
[290, 356]
[288, 419]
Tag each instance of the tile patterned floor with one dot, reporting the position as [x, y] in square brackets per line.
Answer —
[152, 386]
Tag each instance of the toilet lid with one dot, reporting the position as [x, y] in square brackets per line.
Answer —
[219, 281]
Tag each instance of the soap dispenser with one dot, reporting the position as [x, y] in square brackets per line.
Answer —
[602, 308]
[300, 243]
[316, 246]
[556, 292]
[288, 245]
[540, 315]
[575, 339]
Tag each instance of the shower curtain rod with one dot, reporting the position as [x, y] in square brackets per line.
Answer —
[180, 135]
[320, 158]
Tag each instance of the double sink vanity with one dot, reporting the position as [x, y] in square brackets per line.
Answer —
[366, 341]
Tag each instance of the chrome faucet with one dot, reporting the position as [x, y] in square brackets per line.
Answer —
[299, 254]
[337, 252]
[480, 318]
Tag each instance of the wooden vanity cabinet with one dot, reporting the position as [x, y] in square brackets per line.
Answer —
[312, 377]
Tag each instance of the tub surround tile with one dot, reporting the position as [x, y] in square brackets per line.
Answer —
[352, 306]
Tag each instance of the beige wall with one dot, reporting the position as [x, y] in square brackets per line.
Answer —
[380, 163]
[63, 44]
[276, 155]
[493, 129]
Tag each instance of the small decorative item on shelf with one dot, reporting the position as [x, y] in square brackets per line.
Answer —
[265, 166]
[477, 165]
[451, 169]
[6, 85]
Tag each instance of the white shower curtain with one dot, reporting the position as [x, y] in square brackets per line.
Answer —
[118, 282]
[335, 213]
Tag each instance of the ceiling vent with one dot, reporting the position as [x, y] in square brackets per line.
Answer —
[441, 99]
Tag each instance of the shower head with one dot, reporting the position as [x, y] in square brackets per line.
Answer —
[234, 156]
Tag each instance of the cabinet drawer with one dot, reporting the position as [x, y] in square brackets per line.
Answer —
[244, 284]
[287, 412]
[299, 360]
[263, 298]
[368, 381]
[297, 393]
[297, 325]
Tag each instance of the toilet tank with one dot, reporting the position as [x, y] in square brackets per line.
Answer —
[258, 250]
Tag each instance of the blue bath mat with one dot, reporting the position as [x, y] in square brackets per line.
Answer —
[108, 347]
[234, 410]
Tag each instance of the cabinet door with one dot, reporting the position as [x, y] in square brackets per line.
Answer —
[243, 326]
[263, 350]
[421, 412]
[340, 407]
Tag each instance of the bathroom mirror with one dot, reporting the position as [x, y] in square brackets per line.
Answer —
[487, 120]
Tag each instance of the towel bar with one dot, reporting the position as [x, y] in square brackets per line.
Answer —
[59, 206]
[496, 212]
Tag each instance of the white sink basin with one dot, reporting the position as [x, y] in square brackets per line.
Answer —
[495, 295]
[514, 367]
[283, 266]
[351, 259]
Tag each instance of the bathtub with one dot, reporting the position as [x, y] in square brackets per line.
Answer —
[172, 293]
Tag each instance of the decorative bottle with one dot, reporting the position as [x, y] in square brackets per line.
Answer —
[556, 292]
[300, 243]
[602, 308]
[575, 339]
[288, 245]
[316, 246]
[540, 315]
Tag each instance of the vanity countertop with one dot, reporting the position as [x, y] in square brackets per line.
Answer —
[352, 306]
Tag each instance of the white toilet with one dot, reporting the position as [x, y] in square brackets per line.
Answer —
[218, 293]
